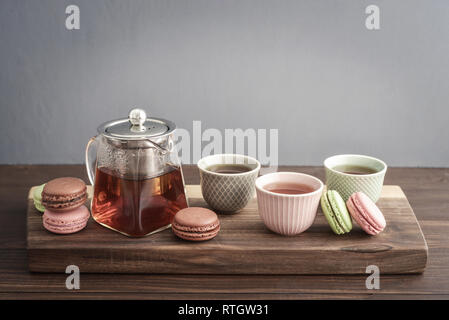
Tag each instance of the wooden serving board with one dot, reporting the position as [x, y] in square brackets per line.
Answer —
[243, 246]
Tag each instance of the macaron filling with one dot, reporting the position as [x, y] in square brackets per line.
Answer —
[200, 235]
[72, 200]
[59, 222]
[65, 204]
[197, 229]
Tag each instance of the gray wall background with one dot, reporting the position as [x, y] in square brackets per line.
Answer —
[309, 68]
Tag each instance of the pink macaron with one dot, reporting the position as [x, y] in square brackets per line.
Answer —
[365, 212]
[68, 222]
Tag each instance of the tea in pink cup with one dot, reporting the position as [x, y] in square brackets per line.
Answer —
[288, 201]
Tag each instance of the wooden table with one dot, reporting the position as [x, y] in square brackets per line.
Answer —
[426, 189]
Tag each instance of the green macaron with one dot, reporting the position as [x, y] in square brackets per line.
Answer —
[335, 211]
[37, 198]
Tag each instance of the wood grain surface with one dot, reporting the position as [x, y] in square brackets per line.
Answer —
[427, 190]
[243, 246]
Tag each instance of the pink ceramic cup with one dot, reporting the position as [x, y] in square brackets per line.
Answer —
[288, 214]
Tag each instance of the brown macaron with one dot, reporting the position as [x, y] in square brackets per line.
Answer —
[64, 194]
[196, 224]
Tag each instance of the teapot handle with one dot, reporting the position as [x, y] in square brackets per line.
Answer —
[89, 168]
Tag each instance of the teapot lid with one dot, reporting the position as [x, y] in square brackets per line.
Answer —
[136, 127]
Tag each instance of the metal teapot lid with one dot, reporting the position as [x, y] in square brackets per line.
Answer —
[136, 127]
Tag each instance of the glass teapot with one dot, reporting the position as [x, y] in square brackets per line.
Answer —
[137, 178]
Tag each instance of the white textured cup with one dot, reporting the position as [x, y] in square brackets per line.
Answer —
[288, 214]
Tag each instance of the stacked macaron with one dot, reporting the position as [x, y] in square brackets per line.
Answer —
[196, 224]
[359, 206]
[63, 199]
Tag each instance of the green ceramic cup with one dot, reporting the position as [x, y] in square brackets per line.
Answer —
[344, 173]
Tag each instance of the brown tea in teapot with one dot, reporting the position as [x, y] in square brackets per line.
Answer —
[137, 206]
